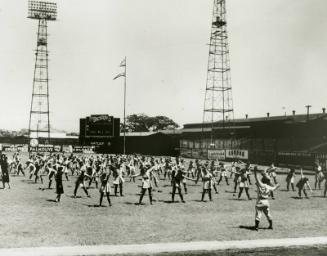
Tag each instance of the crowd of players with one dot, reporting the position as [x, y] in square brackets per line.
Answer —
[109, 172]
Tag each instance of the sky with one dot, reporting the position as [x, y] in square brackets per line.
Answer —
[278, 52]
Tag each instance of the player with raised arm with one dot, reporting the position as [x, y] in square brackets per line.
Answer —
[302, 184]
[262, 204]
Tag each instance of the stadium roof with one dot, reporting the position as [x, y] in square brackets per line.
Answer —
[293, 118]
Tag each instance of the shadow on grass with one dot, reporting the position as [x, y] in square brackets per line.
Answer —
[296, 197]
[74, 197]
[170, 202]
[321, 196]
[252, 227]
[42, 189]
[28, 181]
[130, 203]
[200, 201]
[228, 191]
[51, 200]
[238, 199]
[193, 185]
[247, 227]
[95, 206]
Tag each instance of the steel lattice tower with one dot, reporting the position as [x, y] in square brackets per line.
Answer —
[218, 103]
[39, 122]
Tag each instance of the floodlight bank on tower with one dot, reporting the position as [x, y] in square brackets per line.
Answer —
[42, 10]
[39, 122]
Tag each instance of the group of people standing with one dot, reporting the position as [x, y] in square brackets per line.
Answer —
[109, 172]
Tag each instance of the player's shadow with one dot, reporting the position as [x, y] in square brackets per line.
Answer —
[296, 197]
[318, 196]
[51, 200]
[129, 203]
[193, 185]
[28, 181]
[42, 189]
[200, 201]
[249, 227]
[75, 197]
[284, 190]
[95, 206]
[169, 202]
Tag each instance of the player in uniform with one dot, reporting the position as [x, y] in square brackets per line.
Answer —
[105, 187]
[59, 186]
[244, 183]
[223, 173]
[4, 171]
[262, 204]
[118, 179]
[207, 183]
[80, 182]
[237, 174]
[302, 184]
[51, 173]
[319, 176]
[290, 179]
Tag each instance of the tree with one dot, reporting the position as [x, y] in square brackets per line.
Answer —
[144, 123]
[163, 123]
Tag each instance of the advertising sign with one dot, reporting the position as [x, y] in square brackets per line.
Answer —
[216, 154]
[237, 154]
[15, 148]
[186, 152]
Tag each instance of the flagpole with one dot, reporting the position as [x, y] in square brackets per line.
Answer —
[125, 108]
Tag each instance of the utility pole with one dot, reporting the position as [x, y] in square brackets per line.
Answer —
[308, 111]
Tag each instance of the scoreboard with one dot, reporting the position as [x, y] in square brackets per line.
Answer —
[99, 127]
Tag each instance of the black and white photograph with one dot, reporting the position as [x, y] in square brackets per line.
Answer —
[163, 127]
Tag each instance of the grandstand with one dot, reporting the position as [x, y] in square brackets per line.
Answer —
[289, 139]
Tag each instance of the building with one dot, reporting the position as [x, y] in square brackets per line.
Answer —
[289, 139]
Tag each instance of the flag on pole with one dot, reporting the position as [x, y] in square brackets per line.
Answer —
[119, 75]
[123, 63]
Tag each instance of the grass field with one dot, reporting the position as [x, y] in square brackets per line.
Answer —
[314, 251]
[30, 217]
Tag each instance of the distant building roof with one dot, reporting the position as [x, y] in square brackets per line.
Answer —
[167, 132]
[293, 118]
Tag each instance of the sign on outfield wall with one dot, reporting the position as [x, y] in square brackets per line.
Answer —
[216, 154]
[67, 149]
[83, 149]
[199, 153]
[45, 148]
[15, 148]
[237, 154]
[186, 152]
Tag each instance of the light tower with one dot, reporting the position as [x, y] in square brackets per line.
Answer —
[218, 103]
[39, 122]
